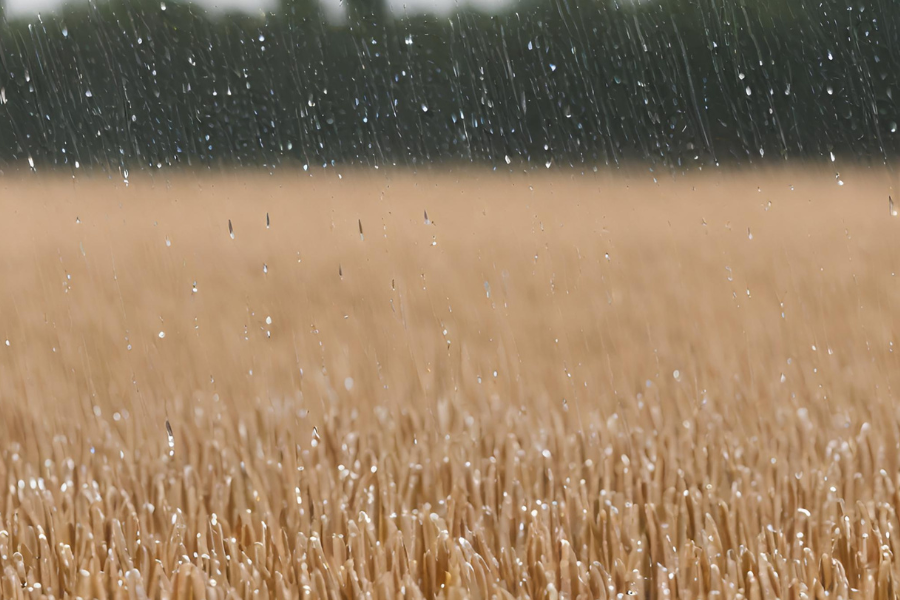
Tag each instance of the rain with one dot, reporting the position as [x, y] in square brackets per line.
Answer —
[638, 338]
[128, 85]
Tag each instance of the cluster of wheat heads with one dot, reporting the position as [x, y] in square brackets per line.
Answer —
[459, 500]
[640, 398]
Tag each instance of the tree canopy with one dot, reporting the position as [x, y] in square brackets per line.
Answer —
[145, 83]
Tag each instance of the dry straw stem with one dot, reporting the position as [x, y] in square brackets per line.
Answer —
[586, 467]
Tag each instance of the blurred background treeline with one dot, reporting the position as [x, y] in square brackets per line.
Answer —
[135, 84]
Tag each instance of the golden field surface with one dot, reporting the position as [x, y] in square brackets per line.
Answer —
[558, 386]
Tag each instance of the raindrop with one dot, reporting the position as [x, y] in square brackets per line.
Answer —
[361, 237]
[891, 207]
[348, 383]
[162, 334]
[427, 221]
[267, 220]
[230, 229]
[171, 439]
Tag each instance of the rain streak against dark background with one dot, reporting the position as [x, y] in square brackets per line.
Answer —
[125, 86]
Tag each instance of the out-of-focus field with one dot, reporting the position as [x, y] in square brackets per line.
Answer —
[558, 387]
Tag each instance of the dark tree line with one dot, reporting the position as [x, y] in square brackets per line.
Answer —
[125, 85]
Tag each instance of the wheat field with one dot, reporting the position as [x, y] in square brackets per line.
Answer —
[450, 385]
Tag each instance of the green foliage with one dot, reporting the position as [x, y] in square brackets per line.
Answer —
[126, 83]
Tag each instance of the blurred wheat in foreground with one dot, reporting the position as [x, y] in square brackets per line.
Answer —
[549, 387]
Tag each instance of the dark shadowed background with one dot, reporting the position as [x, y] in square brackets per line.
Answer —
[147, 84]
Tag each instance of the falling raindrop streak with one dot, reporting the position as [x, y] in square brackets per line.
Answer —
[171, 439]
